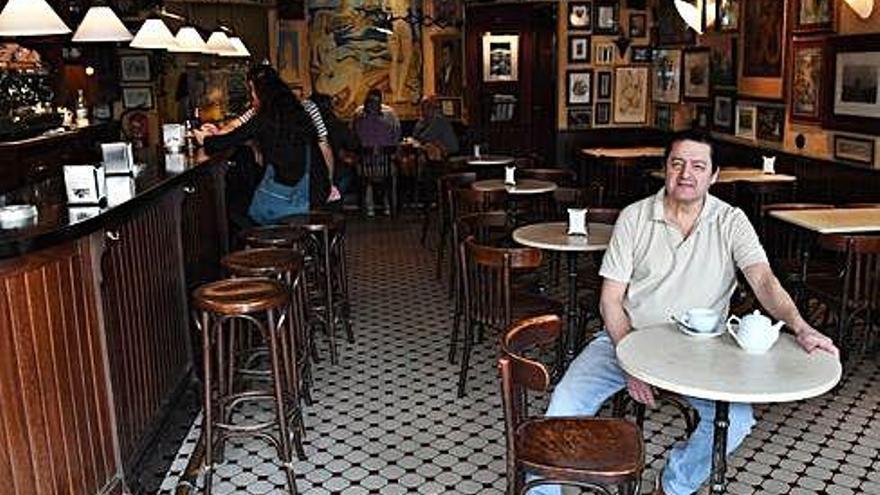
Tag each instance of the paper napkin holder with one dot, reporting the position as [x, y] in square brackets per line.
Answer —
[85, 184]
[120, 189]
[118, 158]
[476, 151]
[509, 176]
[769, 164]
[174, 137]
[175, 163]
[577, 221]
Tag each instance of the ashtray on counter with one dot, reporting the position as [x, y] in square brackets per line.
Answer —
[17, 216]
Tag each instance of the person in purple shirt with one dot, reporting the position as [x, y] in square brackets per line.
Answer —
[371, 127]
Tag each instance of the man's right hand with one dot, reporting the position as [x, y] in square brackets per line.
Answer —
[640, 391]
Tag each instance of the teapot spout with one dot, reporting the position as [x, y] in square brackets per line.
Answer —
[778, 326]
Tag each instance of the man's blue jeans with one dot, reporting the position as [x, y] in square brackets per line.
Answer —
[594, 376]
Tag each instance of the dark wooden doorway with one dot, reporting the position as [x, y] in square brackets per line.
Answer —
[515, 117]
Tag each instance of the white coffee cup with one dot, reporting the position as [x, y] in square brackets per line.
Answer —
[702, 319]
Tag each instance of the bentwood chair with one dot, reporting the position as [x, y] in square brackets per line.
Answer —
[599, 455]
[445, 184]
[378, 166]
[490, 299]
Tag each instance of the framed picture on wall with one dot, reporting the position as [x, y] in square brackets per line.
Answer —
[630, 95]
[727, 15]
[288, 50]
[640, 55]
[137, 97]
[603, 113]
[450, 107]
[580, 16]
[500, 57]
[663, 116]
[763, 38]
[853, 99]
[770, 123]
[604, 85]
[746, 120]
[806, 83]
[723, 112]
[135, 68]
[580, 117]
[854, 149]
[448, 73]
[813, 15]
[702, 117]
[578, 49]
[606, 16]
[722, 60]
[579, 84]
[603, 53]
[696, 74]
[638, 25]
[667, 76]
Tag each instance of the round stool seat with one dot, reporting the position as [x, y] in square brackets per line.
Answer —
[273, 236]
[237, 296]
[262, 262]
[314, 220]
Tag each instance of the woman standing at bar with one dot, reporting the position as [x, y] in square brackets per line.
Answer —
[296, 176]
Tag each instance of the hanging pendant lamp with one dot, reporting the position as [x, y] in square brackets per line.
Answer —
[153, 35]
[30, 18]
[101, 24]
[240, 48]
[188, 40]
[862, 8]
[691, 12]
[219, 44]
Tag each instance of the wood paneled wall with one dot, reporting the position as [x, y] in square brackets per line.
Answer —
[55, 421]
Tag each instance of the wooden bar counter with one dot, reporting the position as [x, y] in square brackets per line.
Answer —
[94, 328]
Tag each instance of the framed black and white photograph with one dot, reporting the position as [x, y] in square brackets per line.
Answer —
[702, 116]
[663, 116]
[580, 118]
[638, 25]
[723, 113]
[606, 17]
[855, 78]
[640, 54]
[603, 53]
[746, 120]
[135, 68]
[579, 87]
[603, 113]
[604, 85]
[578, 49]
[667, 76]
[770, 124]
[500, 57]
[854, 149]
[580, 16]
[727, 15]
[696, 74]
[137, 97]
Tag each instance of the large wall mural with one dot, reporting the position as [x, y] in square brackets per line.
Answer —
[357, 45]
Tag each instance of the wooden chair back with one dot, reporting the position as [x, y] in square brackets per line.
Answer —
[378, 162]
[859, 268]
[781, 240]
[445, 184]
[466, 200]
[559, 176]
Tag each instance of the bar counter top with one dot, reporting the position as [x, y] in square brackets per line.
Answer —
[57, 221]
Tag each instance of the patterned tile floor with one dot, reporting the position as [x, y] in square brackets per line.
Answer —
[386, 419]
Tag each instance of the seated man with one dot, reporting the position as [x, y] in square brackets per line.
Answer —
[673, 251]
[435, 132]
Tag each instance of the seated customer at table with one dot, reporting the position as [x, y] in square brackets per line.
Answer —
[673, 251]
[434, 131]
[372, 128]
[387, 112]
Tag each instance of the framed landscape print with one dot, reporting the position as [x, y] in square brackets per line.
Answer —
[580, 16]
[579, 49]
[667, 76]
[603, 113]
[813, 15]
[727, 15]
[770, 123]
[640, 55]
[135, 68]
[854, 149]
[604, 85]
[580, 118]
[746, 120]
[638, 25]
[500, 57]
[806, 94]
[763, 38]
[853, 99]
[696, 74]
[722, 60]
[579, 84]
[630, 95]
[137, 97]
[606, 16]
[723, 113]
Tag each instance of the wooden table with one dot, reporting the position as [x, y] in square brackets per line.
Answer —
[522, 187]
[835, 221]
[718, 369]
[611, 167]
[553, 236]
[735, 174]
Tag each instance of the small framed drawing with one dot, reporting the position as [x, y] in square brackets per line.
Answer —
[746, 120]
[604, 85]
[722, 60]
[663, 116]
[813, 16]
[450, 106]
[603, 53]
[580, 117]
[723, 113]
[135, 67]
[640, 55]
[580, 16]
[727, 15]
[702, 117]
[854, 149]
[638, 25]
[853, 99]
[770, 123]
[806, 84]
[137, 97]
[696, 74]
[630, 95]
[667, 76]
[606, 16]
[603, 113]
[579, 84]
[500, 57]
[578, 49]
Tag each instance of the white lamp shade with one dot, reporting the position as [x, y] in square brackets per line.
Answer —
[101, 24]
[862, 8]
[189, 40]
[240, 48]
[30, 18]
[219, 44]
[153, 35]
[690, 12]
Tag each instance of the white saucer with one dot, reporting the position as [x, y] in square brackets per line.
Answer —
[700, 335]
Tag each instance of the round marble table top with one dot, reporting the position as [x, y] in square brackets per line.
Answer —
[483, 160]
[523, 186]
[553, 236]
[718, 369]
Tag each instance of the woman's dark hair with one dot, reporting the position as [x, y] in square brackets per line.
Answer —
[282, 111]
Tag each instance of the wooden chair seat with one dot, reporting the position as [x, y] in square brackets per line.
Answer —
[605, 451]
[262, 262]
[315, 220]
[238, 296]
[280, 236]
[525, 305]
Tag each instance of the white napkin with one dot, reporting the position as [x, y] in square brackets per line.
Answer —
[577, 221]
[476, 151]
[510, 176]
[769, 164]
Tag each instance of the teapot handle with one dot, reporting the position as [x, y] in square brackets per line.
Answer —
[731, 331]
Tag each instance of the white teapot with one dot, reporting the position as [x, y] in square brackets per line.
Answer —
[755, 333]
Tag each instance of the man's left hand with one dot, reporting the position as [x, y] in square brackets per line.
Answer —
[811, 340]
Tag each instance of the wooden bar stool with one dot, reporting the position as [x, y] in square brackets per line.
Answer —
[257, 304]
[286, 266]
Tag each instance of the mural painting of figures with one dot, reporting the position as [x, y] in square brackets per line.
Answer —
[354, 48]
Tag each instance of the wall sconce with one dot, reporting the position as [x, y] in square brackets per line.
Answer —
[30, 18]
[699, 15]
[862, 8]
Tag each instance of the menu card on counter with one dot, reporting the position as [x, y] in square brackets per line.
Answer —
[85, 184]
[118, 158]
[119, 190]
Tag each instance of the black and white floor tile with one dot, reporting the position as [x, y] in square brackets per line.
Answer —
[386, 419]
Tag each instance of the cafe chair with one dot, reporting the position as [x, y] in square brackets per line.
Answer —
[562, 177]
[490, 298]
[599, 455]
[378, 167]
[445, 184]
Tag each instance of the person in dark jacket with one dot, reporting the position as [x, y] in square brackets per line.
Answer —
[296, 175]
